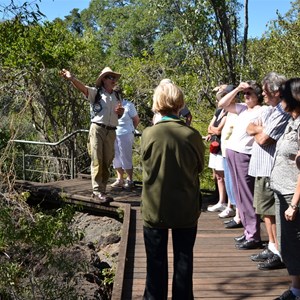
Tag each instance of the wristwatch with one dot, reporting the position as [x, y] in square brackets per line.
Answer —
[293, 206]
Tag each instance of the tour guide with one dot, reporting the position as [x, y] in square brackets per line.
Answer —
[105, 110]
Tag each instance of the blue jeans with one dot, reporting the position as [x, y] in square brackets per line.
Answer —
[156, 244]
[228, 182]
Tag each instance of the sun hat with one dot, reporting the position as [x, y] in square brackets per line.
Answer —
[104, 72]
[223, 89]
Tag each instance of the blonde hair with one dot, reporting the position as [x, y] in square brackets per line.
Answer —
[167, 99]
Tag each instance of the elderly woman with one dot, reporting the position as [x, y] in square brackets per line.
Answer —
[238, 155]
[285, 181]
[172, 157]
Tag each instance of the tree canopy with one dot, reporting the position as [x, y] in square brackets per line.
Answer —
[198, 44]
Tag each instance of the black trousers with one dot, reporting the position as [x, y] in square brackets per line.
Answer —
[156, 244]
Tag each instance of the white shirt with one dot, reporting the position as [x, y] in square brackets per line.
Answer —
[240, 141]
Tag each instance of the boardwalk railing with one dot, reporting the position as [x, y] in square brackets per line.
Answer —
[45, 161]
[41, 161]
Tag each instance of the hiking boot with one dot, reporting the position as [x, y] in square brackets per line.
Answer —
[262, 256]
[103, 198]
[272, 263]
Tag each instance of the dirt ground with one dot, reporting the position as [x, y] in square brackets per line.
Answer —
[100, 248]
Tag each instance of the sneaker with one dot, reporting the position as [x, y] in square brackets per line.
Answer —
[262, 256]
[272, 263]
[227, 213]
[217, 207]
[117, 183]
[129, 184]
[104, 199]
[288, 295]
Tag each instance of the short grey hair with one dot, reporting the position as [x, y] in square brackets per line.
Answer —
[273, 81]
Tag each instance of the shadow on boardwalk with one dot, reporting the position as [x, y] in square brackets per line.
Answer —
[220, 271]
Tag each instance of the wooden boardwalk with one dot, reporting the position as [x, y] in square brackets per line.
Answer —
[220, 271]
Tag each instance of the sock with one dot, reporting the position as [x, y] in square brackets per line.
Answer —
[271, 247]
[237, 220]
[295, 291]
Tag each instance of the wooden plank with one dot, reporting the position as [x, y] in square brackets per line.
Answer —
[120, 272]
[220, 270]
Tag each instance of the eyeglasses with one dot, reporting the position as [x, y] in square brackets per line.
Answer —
[248, 93]
[110, 77]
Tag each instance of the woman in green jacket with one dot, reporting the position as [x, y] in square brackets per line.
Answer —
[172, 157]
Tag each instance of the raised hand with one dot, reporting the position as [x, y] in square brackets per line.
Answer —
[66, 74]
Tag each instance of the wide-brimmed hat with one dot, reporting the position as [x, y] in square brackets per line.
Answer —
[222, 90]
[104, 72]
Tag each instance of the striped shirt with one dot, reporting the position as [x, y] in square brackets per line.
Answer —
[274, 120]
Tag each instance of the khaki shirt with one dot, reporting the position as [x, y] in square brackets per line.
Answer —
[103, 113]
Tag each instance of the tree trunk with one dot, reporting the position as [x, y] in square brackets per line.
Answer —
[245, 33]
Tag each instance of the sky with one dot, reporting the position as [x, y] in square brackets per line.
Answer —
[260, 11]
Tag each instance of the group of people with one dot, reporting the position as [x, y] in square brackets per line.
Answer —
[256, 169]
[254, 165]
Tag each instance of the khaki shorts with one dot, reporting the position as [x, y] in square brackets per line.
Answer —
[264, 201]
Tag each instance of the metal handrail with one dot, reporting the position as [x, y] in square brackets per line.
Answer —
[66, 138]
[51, 144]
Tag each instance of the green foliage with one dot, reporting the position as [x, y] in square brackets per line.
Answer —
[120, 212]
[109, 276]
[278, 49]
[196, 44]
[29, 238]
[36, 46]
[4, 138]
[42, 231]
[26, 12]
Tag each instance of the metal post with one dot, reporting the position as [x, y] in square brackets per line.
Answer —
[23, 160]
[72, 160]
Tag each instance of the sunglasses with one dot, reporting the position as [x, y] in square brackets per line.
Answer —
[110, 77]
[248, 93]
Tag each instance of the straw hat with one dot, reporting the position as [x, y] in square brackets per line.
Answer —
[104, 72]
